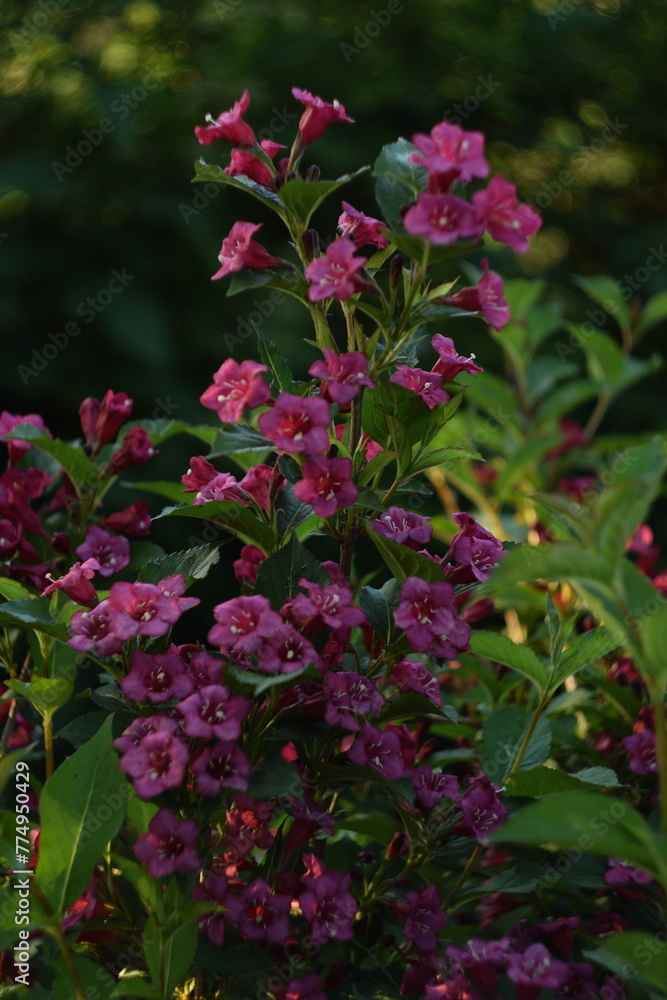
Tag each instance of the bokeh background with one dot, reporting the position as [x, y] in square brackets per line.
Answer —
[569, 92]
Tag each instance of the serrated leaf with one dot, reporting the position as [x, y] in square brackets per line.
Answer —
[541, 781]
[301, 198]
[403, 562]
[47, 694]
[389, 400]
[379, 606]
[73, 460]
[398, 180]
[34, 612]
[601, 776]
[500, 648]
[230, 515]
[237, 439]
[75, 830]
[14, 591]
[278, 576]
[212, 172]
[440, 456]
[275, 361]
[585, 649]
[193, 564]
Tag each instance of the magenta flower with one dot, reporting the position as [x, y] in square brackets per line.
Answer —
[229, 126]
[483, 812]
[381, 750]
[308, 988]
[265, 915]
[342, 375]
[198, 475]
[223, 486]
[223, 765]
[363, 229]
[535, 970]
[427, 613]
[507, 220]
[487, 298]
[247, 163]
[156, 678]
[101, 422]
[286, 651]
[156, 763]
[169, 846]
[143, 609]
[134, 520]
[111, 552]
[449, 363]
[422, 917]
[410, 675]
[297, 424]
[403, 526]
[235, 388]
[481, 960]
[442, 219]
[239, 250]
[215, 889]
[243, 624]
[204, 669]
[262, 483]
[136, 448]
[322, 606]
[474, 548]
[76, 583]
[456, 988]
[431, 786]
[326, 902]
[620, 872]
[10, 541]
[326, 484]
[17, 447]
[428, 385]
[642, 750]
[139, 728]
[214, 712]
[349, 694]
[248, 825]
[94, 631]
[317, 116]
[450, 154]
[335, 274]
[246, 566]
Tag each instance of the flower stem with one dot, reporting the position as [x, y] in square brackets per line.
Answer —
[470, 864]
[527, 737]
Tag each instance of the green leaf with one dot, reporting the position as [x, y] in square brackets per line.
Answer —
[82, 808]
[34, 612]
[500, 648]
[193, 564]
[586, 649]
[278, 576]
[275, 361]
[604, 777]
[368, 500]
[593, 822]
[274, 778]
[301, 198]
[237, 439]
[566, 398]
[134, 985]
[441, 456]
[162, 488]
[606, 292]
[179, 948]
[644, 952]
[95, 979]
[562, 561]
[73, 460]
[212, 172]
[502, 736]
[412, 705]
[379, 606]
[230, 515]
[398, 181]
[654, 312]
[403, 562]
[521, 459]
[162, 430]
[47, 694]
[8, 762]
[390, 400]
[541, 781]
[14, 591]
[82, 729]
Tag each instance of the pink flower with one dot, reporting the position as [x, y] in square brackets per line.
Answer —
[134, 520]
[326, 902]
[297, 424]
[322, 606]
[507, 220]
[235, 387]
[431, 786]
[620, 872]
[136, 448]
[146, 609]
[200, 473]
[94, 631]
[317, 116]
[111, 552]
[251, 166]
[239, 250]
[265, 914]
[229, 126]
[449, 364]
[17, 447]
[169, 846]
[450, 154]
[156, 678]
[114, 410]
[10, 541]
[409, 675]
[243, 624]
[342, 375]
[403, 526]
[335, 274]
[428, 385]
[486, 298]
[246, 566]
[308, 988]
[214, 712]
[427, 613]
[483, 812]
[262, 483]
[442, 219]
[642, 749]
[156, 763]
[326, 484]
[535, 970]
[286, 651]
[139, 728]
[363, 229]
[247, 826]
[223, 765]
[76, 583]
[350, 694]
[381, 750]
[223, 486]
[422, 917]
[474, 548]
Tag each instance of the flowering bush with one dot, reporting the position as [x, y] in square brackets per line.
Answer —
[328, 794]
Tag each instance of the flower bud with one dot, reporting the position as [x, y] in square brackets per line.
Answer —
[399, 845]
[313, 173]
[396, 270]
[311, 243]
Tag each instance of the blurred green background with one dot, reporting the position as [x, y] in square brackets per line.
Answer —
[99, 102]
